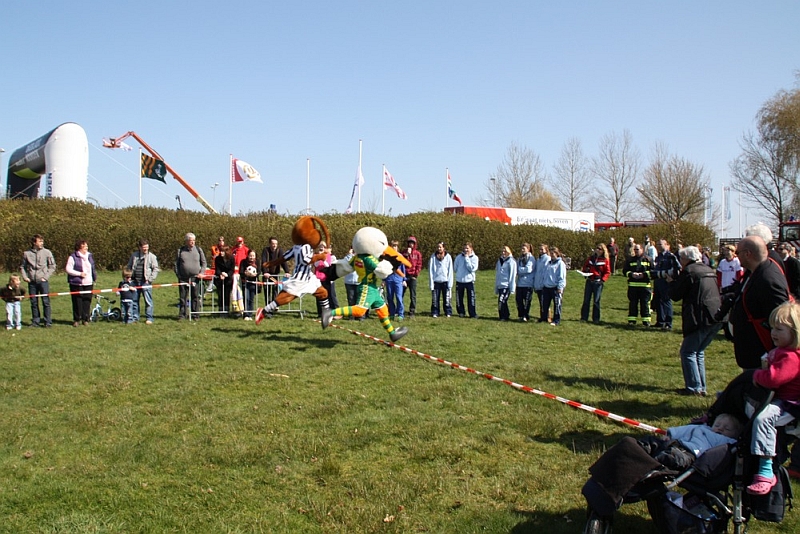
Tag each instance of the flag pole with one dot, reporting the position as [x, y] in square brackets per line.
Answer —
[308, 186]
[383, 191]
[230, 187]
[359, 176]
[446, 187]
[140, 177]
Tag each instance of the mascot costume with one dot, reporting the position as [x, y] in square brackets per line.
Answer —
[307, 234]
[373, 259]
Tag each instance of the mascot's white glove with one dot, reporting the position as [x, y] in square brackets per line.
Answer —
[383, 269]
[343, 267]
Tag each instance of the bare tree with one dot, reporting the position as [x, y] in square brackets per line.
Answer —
[760, 174]
[779, 123]
[519, 181]
[572, 182]
[617, 167]
[674, 189]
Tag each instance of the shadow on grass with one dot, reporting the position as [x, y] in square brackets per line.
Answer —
[573, 521]
[265, 335]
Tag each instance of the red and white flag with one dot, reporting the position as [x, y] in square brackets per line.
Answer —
[388, 181]
[242, 171]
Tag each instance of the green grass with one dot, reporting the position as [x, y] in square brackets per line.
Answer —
[223, 426]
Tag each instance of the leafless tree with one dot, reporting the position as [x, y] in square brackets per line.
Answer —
[519, 181]
[572, 182]
[674, 189]
[760, 174]
[616, 166]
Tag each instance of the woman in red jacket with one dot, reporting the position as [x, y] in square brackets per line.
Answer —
[597, 269]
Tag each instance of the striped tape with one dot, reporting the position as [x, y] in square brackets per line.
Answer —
[520, 387]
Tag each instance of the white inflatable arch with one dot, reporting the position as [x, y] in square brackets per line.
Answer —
[61, 155]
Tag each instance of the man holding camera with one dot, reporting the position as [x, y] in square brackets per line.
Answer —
[665, 265]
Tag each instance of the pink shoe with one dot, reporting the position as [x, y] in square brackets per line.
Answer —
[761, 485]
[259, 315]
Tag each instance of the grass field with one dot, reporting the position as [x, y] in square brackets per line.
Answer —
[223, 426]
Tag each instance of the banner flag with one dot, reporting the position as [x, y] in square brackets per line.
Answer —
[242, 171]
[153, 168]
[356, 187]
[388, 181]
[452, 194]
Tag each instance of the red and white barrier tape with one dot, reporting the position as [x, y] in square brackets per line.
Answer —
[98, 291]
[526, 389]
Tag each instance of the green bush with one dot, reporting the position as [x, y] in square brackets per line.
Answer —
[112, 233]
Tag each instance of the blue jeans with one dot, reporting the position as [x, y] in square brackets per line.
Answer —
[39, 288]
[249, 289]
[469, 289]
[394, 296]
[693, 357]
[440, 289]
[591, 295]
[129, 310]
[148, 302]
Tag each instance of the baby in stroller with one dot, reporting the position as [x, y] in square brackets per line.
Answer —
[683, 444]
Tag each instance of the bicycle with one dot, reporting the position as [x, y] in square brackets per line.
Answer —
[111, 314]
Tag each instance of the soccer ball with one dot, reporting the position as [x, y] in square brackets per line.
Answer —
[251, 271]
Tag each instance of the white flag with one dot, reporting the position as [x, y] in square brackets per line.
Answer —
[389, 181]
[356, 187]
[242, 171]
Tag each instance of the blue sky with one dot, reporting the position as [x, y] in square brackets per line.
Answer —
[427, 85]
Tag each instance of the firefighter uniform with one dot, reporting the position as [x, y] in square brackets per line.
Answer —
[637, 271]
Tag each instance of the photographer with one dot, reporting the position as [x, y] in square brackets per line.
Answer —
[696, 286]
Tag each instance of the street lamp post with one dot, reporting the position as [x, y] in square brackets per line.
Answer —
[214, 194]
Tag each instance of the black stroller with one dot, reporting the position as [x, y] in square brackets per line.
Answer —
[703, 499]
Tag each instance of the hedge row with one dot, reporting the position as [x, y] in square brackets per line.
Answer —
[112, 233]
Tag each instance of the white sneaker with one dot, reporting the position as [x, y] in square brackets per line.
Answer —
[248, 318]
[9, 327]
[19, 327]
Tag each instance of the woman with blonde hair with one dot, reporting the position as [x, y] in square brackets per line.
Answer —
[599, 269]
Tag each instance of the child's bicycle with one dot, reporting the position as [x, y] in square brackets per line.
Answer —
[111, 314]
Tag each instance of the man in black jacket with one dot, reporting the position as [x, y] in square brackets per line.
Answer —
[792, 267]
[696, 286]
[763, 289]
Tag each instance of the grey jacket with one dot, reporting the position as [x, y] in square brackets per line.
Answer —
[150, 260]
[37, 265]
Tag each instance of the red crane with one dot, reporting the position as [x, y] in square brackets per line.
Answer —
[116, 142]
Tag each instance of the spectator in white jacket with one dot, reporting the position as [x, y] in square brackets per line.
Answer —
[440, 270]
[466, 267]
[505, 281]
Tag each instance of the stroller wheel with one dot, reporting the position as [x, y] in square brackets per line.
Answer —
[595, 524]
